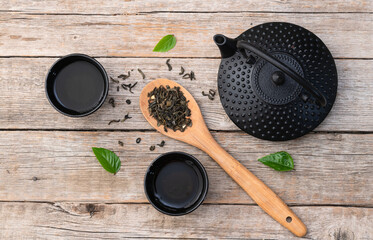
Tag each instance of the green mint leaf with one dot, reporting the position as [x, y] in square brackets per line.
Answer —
[280, 161]
[167, 43]
[108, 160]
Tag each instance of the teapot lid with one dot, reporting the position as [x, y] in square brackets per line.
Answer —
[277, 81]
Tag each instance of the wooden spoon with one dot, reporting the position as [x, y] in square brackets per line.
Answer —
[199, 136]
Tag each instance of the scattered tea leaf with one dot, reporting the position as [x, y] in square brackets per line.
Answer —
[112, 102]
[211, 97]
[162, 143]
[182, 70]
[117, 88]
[132, 86]
[168, 64]
[124, 76]
[167, 43]
[212, 92]
[108, 160]
[124, 86]
[192, 76]
[129, 86]
[114, 121]
[128, 101]
[138, 140]
[280, 161]
[120, 143]
[186, 76]
[127, 116]
[141, 72]
[114, 80]
[152, 148]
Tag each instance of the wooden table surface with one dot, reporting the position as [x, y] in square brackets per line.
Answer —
[51, 185]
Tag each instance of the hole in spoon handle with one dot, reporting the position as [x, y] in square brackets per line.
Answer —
[255, 188]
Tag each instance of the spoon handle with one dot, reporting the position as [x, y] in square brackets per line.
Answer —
[254, 187]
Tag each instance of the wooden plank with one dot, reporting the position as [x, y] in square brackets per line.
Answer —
[131, 7]
[23, 104]
[141, 221]
[346, 35]
[330, 168]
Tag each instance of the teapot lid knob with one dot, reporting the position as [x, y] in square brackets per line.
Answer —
[278, 78]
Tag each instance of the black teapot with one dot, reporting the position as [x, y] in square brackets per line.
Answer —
[277, 81]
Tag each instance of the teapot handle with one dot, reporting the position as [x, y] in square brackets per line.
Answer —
[299, 79]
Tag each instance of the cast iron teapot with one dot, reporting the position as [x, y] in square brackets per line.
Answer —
[277, 81]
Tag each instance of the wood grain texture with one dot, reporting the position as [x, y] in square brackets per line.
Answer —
[68, 195]
[346, 35]
[140, 6]
[23, 104]
[139, 221]
[329, 168]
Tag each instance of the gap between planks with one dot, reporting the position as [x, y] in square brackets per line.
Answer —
[153, 130]
[210, 204]
[155, 57]
[110, 7]
[174, 12]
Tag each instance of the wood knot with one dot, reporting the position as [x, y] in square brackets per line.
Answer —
[343, 234]
[91, 209]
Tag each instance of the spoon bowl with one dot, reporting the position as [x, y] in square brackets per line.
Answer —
[196, 116]
[199, 136]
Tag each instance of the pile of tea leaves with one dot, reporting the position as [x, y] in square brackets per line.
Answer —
[170, 108]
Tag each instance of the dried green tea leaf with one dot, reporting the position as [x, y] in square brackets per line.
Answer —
[170, 108]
